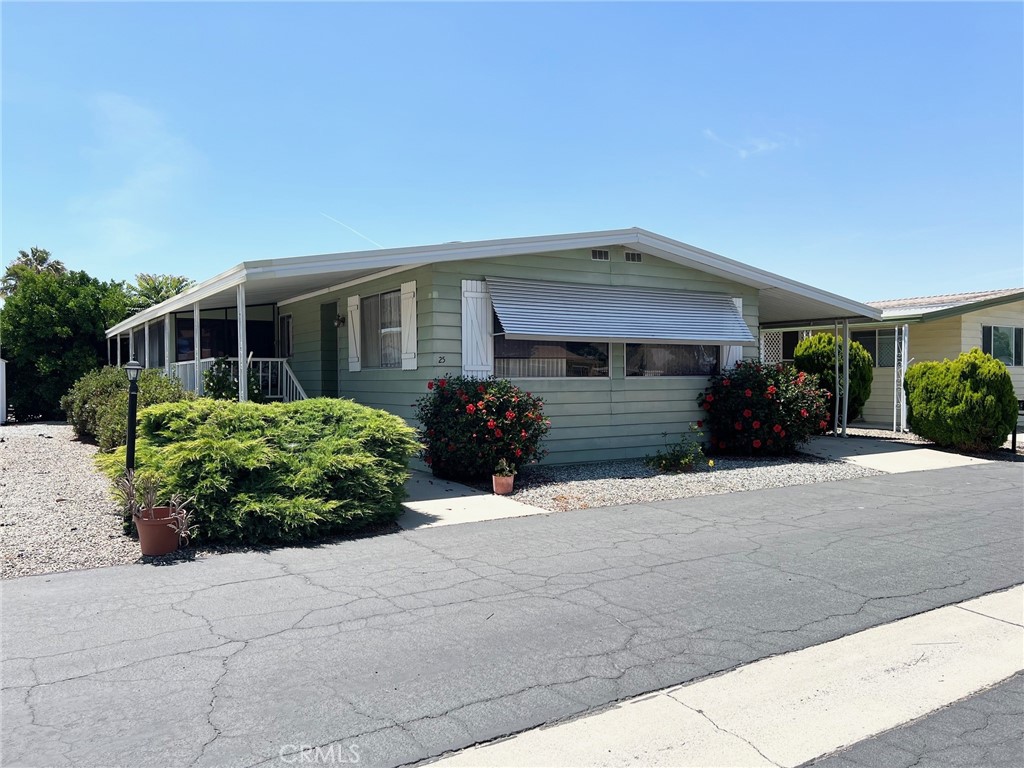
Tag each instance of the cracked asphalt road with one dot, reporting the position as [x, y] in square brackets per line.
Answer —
[405, 646]
[985, 729]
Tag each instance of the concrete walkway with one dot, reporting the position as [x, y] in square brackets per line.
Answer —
[404, 647]
[432, 502]
[885, 455]
[793, 708]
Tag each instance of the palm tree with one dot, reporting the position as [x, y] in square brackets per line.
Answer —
[35, 260]
[152, 289]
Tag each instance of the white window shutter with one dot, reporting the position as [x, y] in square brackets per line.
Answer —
[477, 330]
[409, 326]
[353, 334]
[733, 354]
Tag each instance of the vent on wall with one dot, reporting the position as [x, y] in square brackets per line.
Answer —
[599, 255]
[635, 257]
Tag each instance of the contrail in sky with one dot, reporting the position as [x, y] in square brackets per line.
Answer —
[346, 226]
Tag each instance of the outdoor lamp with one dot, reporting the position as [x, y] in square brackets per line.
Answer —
[133, 369]
[339, 321]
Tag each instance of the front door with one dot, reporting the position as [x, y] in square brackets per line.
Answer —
[329, 349]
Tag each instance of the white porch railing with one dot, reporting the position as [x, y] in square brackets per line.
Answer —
[277, 379]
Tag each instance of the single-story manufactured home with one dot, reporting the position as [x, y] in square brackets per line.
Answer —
[616, 330]
[919, 329]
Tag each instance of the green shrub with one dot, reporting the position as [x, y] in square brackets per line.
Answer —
[277, 472]
[756, 409]
[685, 455]
[467, 425]
[97, 405]
[967, 404]
[816, 355]
[220, 381]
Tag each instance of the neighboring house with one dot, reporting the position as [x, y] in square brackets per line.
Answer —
[616, 330]
[919, 329]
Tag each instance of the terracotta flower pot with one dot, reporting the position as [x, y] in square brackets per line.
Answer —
[158, 533]
[502, 484]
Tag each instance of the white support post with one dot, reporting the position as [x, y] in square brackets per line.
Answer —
[145, 362]
[119, 350]
[243, 348]
[109, 355]
[197, 352]
[846, 373]
[168, 345]
[131, 343]
[835, 415]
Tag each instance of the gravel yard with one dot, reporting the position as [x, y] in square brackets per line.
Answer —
[605, 484]
[56, 513]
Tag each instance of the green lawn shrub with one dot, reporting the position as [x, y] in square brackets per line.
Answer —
[756, 409]
[96, 406]
[816, 354]
[468, 425]
[277, 472]
[967, 404]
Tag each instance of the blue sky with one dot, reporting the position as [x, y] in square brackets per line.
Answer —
[874, 150]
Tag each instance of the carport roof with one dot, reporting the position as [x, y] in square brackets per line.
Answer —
[279, 280]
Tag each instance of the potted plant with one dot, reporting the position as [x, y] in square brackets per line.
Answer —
[503, 478]
[162, 529]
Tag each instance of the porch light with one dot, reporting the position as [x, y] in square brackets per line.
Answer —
[339, 321]
[133, 369]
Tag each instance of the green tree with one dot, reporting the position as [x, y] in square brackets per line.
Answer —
[150, 289]
[816, 355]
[35, 261]
[53, 330]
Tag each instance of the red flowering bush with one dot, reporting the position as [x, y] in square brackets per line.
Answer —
[468, 425]
[758, 409]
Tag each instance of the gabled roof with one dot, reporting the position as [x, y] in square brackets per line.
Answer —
[945, 305]
[277, 280]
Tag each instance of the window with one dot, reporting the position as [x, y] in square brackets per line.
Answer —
[634, 257]
[1005, 343]
[599, 255]
[285, 335]
[672, 359]
[381, 330]
[789, 341]
[880, 344]
[517, 358]
[545, 358]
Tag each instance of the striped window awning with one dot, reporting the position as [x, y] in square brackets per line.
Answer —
[535, 309]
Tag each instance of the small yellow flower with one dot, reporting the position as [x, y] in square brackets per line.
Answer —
[711, 462]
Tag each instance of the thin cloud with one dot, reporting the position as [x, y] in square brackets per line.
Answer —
[747, 148]
[139, 168]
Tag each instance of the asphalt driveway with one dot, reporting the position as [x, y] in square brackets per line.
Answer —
[402, 647]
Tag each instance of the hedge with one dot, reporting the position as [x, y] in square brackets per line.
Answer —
[816, 354]
[97, 405]
[277, 472]
[968, 404]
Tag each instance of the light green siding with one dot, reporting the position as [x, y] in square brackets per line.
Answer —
[592, 419]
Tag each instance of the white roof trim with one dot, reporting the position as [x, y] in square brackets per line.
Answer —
[389, 258]
[347, 284]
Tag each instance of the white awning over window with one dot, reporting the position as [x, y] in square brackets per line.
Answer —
[535, 309]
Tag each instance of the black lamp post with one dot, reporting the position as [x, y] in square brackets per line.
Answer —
[134, 369]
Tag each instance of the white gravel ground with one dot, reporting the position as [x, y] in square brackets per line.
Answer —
[608, 483]
[56, 513]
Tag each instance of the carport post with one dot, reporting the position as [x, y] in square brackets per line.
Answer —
[835, 405]
[197, 351]
[846, 372]
[243, 351]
